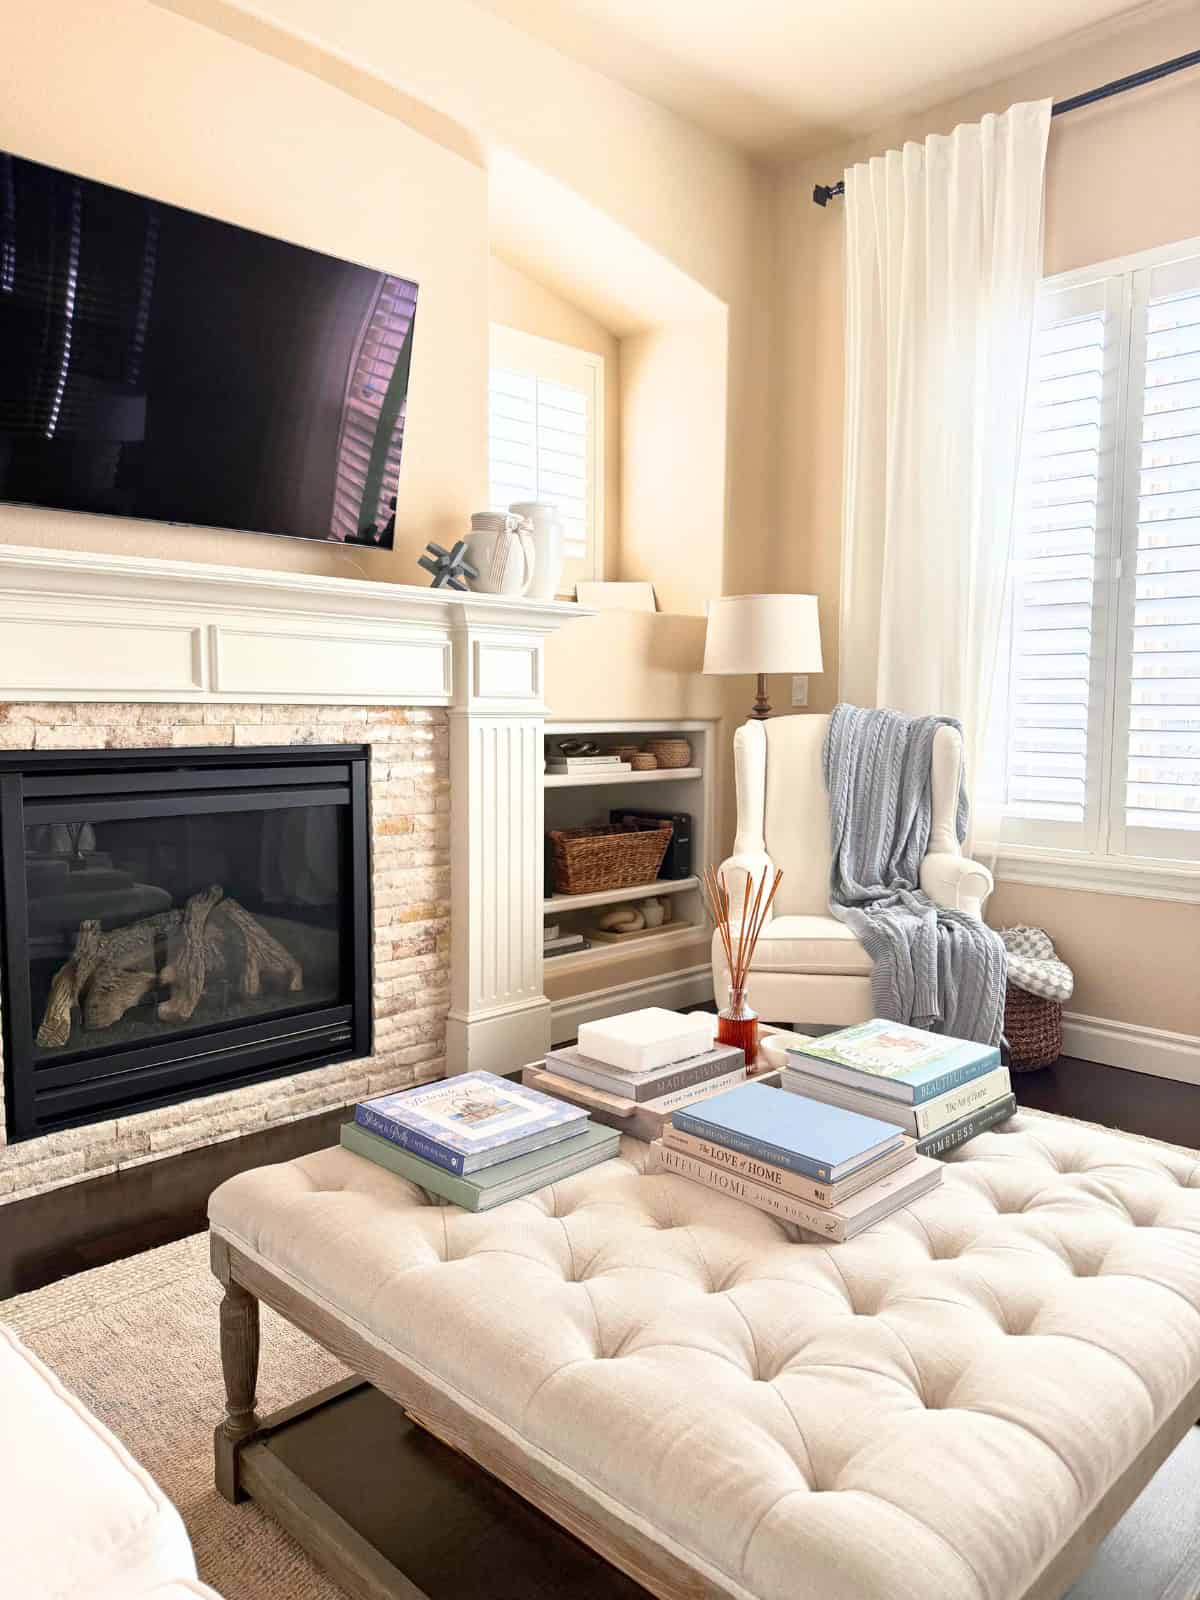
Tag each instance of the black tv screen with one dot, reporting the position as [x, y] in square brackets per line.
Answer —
[156, 363]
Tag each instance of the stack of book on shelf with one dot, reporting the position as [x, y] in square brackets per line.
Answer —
[632, 1072]
[477, 1140]
[590, 766]
[557, 943]
[829, 1171]
[940, 1090]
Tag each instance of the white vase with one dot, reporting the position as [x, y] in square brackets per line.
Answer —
[548, 540]
[500, 548]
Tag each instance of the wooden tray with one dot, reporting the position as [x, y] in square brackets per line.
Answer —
[612, 936]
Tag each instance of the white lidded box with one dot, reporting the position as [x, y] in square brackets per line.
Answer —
[642, 1040]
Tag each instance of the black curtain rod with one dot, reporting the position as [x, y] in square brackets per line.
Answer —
[823, 193]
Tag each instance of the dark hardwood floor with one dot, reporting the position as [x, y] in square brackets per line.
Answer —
[88, 1224]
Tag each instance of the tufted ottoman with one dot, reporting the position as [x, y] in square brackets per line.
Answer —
[957, 1405]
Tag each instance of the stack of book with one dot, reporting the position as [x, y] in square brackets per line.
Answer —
[632, 1072]
[940, 1090]
[477, 1140]
[829, 1171]
[562, 944]
[592, 766]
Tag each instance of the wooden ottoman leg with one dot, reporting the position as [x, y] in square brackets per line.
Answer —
[239, 1365]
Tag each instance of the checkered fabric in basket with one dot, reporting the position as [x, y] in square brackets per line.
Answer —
[1033, 964]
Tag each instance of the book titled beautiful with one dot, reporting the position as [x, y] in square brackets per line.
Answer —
[889, 1058]
[787, 1130]
[851, 1217]
[470, 1121]
[918, 1120]
[491, 1186]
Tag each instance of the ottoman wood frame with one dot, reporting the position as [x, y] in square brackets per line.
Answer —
[246, 1468]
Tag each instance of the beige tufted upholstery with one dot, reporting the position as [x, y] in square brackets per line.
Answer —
[925, 1413]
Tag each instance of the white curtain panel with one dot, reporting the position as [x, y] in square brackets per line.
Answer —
[943, 259]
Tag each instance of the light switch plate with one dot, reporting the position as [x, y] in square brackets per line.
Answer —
[799, 688]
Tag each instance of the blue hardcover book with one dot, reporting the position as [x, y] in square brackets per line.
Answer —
[822, 1142]
[475, 1120]
[889, 1058]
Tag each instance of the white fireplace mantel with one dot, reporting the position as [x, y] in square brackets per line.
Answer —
[81, 627]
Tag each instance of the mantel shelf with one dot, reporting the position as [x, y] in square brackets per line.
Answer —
[612, 897]
[581, 780]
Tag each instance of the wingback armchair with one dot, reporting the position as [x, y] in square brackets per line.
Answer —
[808, 966]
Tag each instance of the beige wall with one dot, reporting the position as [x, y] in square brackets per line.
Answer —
[519, 301]
[1121, 177]
[146, 100]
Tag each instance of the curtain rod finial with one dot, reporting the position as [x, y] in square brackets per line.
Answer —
[823, 193]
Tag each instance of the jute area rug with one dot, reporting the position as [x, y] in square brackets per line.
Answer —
[137, 1342]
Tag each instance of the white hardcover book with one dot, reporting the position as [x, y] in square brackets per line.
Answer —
[919, 1120]
[642, 1040]
[852, 1217]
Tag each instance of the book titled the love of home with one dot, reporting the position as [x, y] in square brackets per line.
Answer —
[822, 1142]
[778, 1178]
[471, 1121]
[906, 1064]
[491, 1186]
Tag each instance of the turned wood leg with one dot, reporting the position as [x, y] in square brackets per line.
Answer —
[239, 1364]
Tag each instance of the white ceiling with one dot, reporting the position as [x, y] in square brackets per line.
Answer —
[801, 75]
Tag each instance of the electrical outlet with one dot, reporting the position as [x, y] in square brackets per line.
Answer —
[799, 688]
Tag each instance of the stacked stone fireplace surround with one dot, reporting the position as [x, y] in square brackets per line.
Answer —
[410, 884]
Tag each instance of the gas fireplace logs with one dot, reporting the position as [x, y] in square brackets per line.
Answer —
[109, 973]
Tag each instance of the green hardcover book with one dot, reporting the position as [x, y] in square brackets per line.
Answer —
[491, 1186]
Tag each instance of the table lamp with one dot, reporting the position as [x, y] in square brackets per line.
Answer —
[761, 634]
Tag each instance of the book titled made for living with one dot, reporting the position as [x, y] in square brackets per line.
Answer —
[890, 1058]
[471, 1121]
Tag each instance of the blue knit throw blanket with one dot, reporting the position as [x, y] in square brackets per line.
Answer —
[931, 967]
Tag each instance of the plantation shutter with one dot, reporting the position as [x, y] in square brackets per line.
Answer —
[543, 436]
[1050, 699]
[1156, 800]
[382, 345]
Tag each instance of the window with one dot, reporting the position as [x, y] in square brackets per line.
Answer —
[545, 439]
[1096, 721]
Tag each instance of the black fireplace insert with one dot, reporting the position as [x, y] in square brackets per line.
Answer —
[177, 922]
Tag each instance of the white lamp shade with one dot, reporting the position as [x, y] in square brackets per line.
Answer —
[752, 633]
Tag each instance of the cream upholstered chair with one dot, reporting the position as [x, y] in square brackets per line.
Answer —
[808, 966]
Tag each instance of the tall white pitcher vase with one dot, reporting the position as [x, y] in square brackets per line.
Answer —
[548, 540]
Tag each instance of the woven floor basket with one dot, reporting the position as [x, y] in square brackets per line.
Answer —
[588, 859]
[1033, 1027]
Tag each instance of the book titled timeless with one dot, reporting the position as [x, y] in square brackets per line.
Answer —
[821, 1142]
[889, 1058]
[969, 1127]
[469, 1122]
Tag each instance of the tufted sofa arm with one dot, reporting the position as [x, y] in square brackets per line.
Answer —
[743, 864]
[955, 882]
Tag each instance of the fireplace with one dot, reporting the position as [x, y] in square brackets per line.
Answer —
[178, 922]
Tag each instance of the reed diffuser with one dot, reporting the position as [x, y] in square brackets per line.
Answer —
[737, 1020]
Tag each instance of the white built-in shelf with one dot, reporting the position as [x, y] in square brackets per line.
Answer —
[581, 780]
[599, 954]
[612, 897]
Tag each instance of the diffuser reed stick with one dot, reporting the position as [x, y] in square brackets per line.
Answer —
[737, 1022]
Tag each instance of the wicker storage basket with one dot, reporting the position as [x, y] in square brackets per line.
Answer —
[644, 761]
[671, 752]
[601, 857]
[1033, 1027]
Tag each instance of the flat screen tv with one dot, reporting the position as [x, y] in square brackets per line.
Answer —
[156, 363]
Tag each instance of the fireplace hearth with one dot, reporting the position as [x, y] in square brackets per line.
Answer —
[178, 922]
